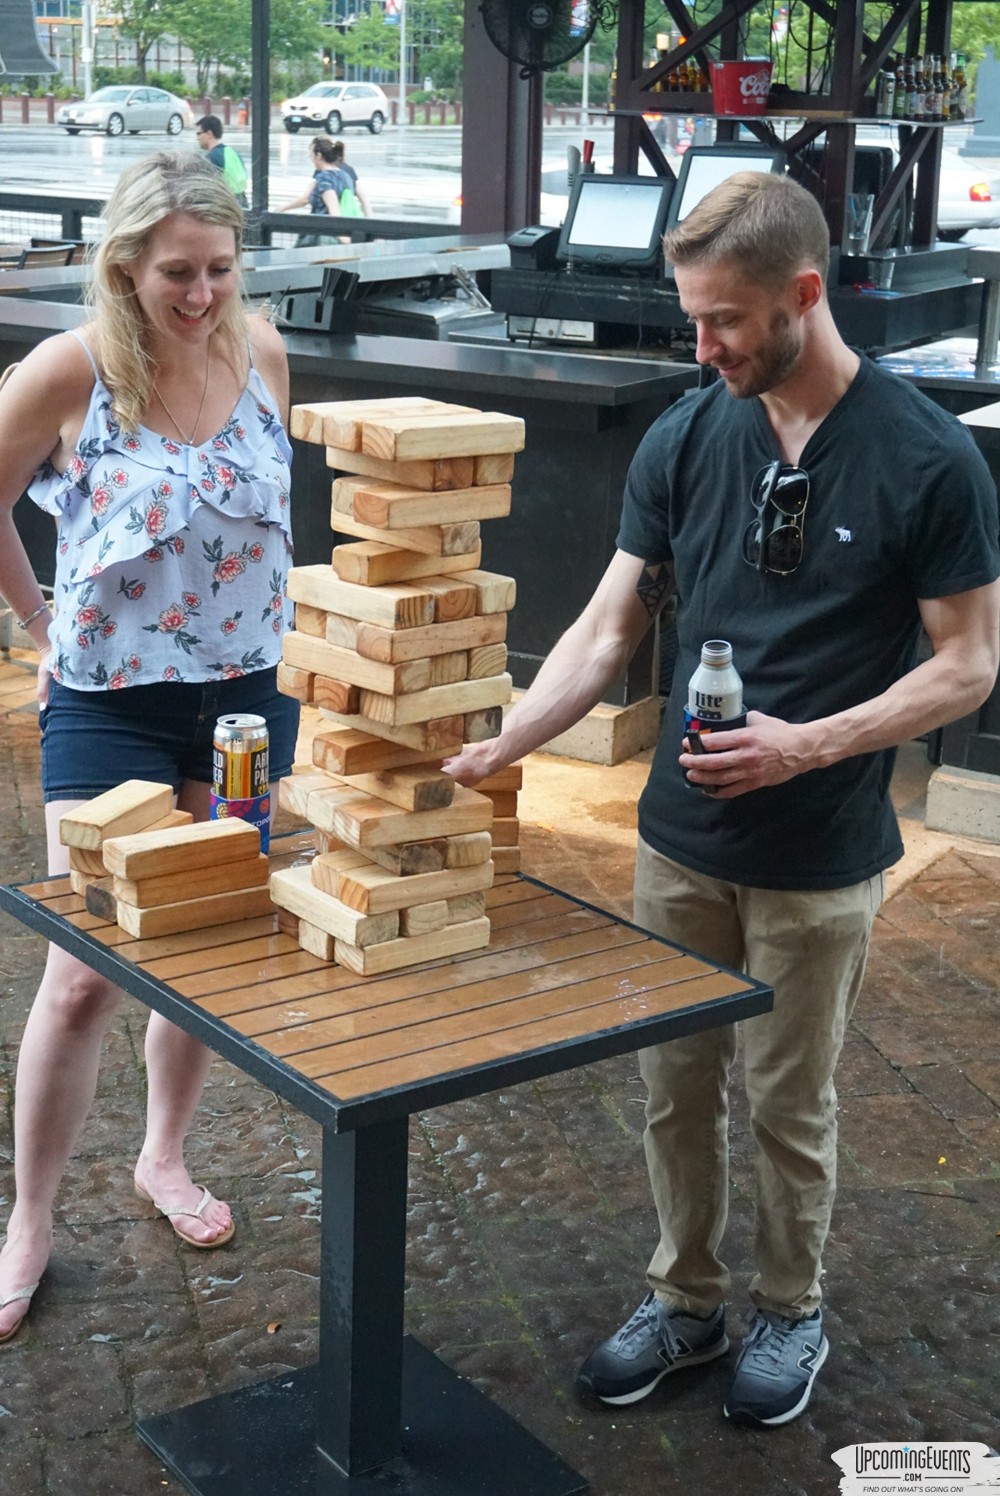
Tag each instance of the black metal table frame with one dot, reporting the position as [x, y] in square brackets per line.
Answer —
[378, 1412]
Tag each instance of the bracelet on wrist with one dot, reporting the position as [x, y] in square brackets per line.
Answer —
[32, 616]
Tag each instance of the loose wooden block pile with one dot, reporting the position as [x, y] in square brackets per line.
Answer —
[400, 643]
[154, 870]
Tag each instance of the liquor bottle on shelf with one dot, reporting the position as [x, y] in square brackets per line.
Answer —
[933, 107]
[960, 94]
[899, 98]
[945, 90]
[912, 97]
[919, 95]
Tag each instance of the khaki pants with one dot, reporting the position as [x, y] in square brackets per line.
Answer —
[811, 948]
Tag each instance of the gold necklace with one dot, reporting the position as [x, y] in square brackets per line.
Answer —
[188, 440]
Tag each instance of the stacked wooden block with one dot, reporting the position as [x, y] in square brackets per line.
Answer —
[157, 872]
[400, 641]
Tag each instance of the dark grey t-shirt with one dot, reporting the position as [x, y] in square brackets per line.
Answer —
[901, 507]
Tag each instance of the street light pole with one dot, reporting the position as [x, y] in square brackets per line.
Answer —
[402, 62]
[87, 46]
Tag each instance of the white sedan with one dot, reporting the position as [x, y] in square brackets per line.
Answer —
[118, 108]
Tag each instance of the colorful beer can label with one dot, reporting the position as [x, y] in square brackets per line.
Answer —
[256, 810]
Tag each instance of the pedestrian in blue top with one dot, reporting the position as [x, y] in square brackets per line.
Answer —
[208, 132]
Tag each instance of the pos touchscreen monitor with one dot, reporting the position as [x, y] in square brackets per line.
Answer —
[705, 166]
[616, 223]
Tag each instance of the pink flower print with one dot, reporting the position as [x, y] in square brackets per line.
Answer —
[133, 663]
[263, 409]
[164, 490]
[219, 444]
[171, 672]
[228, 476]
[208, 484]
[172, 619]
[77, 467]
[153, 554]
[83, 641]
[109, 629]
[95, 570]
[178, 546]
[241, 432]
[174, 451]
[191, 599]
[231, 672]
[229, 625]
[282, 501]
[63, 547]
[133, 590]
[88, 617]
[256, 551]
[117, 681]
[131, 443]
[156, 519]
[277, 603]
[100, 499]
[229, 568]
[120, 478]
[276, 625]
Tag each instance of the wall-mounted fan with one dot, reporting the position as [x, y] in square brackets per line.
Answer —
[540, 34]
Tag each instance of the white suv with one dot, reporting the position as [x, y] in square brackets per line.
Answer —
[334, 105]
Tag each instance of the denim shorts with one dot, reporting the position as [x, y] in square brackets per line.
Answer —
[93, 740]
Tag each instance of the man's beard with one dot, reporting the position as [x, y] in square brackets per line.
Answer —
[772, 363]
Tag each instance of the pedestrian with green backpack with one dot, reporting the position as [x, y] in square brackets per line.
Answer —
[229, 161]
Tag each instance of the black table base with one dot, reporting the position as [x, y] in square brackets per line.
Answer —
[261, 1441]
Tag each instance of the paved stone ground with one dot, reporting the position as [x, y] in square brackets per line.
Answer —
[530, 1220]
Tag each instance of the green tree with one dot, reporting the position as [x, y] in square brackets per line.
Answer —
[217, 34]
[436, 33]
[142, 22]
[298, 34]
[369, 43]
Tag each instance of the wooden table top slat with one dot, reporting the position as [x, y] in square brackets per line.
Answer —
[244, 974]
[503, 1043]
[237, 952]
[158, 946]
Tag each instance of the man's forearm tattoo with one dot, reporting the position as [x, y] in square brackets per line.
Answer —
[654, 586]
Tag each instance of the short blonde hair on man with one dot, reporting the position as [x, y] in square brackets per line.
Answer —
[768, 225]
[145, 194]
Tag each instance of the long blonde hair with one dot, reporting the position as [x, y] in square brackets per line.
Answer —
[145, 194]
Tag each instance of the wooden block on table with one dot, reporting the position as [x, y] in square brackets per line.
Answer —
[466, 906]
[171, 819]
[322, 805]
[493, 467]
[295, 683]
[413, 788]
[451, 539]
[505, 831]
[437, 701]
[292, 888]
[328, 868]
[131, 806]
[310, 620]
[89, 863]
[391, 506]
[479, 727]
[288, 923]
[509, 778]
[469, 850]
[453, 940]
[194, 914]
[394, 645]
[443, 734]
[149, 854]
[367, 563]
[504, 801]
[344, 428]
[294, 791]
[421, 919]
[494, 593]
[315, 941]
[452, 597]
[411, 859]
[325, 841]
[431, 475]
[311, 420]
[331, 663]
[373, 889]
[336, 695]
[197, 883]
[507, 859]
[399, 607]
[488, 659]
[99, 897]
[345, 752]
[374, 823]
[405, 438]
[343, 631]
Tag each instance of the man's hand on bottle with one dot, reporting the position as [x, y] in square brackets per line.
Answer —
[766, 751]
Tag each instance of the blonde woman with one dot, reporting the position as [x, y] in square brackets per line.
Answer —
[155, 438]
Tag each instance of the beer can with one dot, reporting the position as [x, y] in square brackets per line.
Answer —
[241, 772]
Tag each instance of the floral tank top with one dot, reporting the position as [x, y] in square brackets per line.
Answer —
[171, 559]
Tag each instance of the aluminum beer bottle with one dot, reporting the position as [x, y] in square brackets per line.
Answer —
[240, 773]
[715, 692]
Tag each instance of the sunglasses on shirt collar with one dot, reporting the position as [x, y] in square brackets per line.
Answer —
[774, 540]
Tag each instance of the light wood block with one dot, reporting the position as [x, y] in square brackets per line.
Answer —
[505, 831]
[372, 889]
[328, 868]
[507, 859]
[504, 801]
[394, 954]
[172, 818]
[410, 788]
[292, 888]
[330, 662]
[441, 734]
[344, 631]
[422, 919]
[79, 881]
[374, 823]
[469, 850]
[310, 421]
[479, 727]
[322, 806]
[194, 914]
[509, 778]
[466, 906]
[294, 791]
[432, 475]
[437, 701]
[288, 923]
[367, 563]
[295, 683]
[345, 428]
[453, 598]
[392, 607]
[390, 506]
[131, 806]
[405, 438]
[91, 864]
[410, 859]
[451, 539]
[493, 467]
[346, 752]
[325, 841]
[310, 620]
[336, 695]
[488, 659]
[317, 942]
[156, 853]
[494, 593]
[172, 888]
[394, 645]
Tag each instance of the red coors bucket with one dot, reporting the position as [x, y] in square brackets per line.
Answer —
[741, 88]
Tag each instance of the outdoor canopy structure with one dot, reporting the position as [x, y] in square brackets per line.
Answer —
[21, 54]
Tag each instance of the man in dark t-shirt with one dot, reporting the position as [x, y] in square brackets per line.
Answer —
[818, 513]
[208, 132]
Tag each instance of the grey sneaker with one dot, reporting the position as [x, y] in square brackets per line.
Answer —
[777, 1368]
[655, 1341]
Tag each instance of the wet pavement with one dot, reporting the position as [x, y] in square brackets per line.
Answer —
[530, 1221]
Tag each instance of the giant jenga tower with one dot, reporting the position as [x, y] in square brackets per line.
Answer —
[400, 643]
